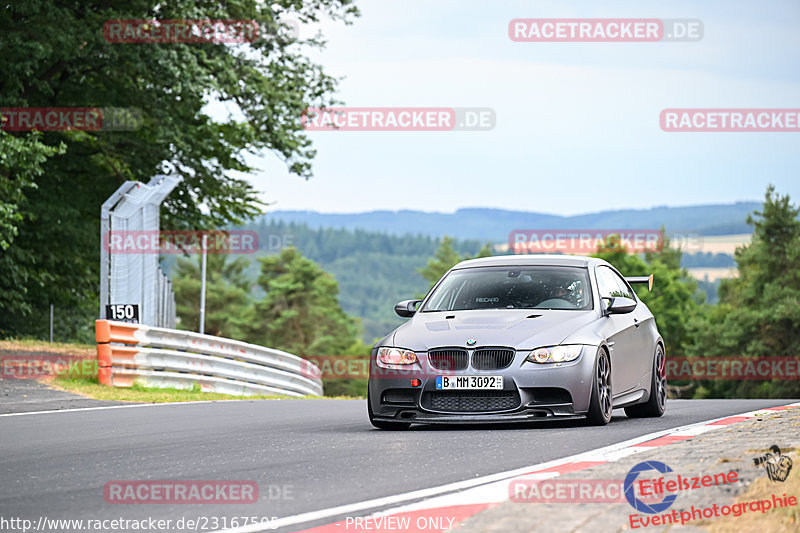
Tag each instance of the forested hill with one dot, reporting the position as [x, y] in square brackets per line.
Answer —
[486, 224]
[374, 270]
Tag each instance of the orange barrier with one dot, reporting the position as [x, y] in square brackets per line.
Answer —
[110, 331]
[106, 332]
[104, 364]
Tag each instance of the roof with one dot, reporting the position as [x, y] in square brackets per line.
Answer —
[530, 260]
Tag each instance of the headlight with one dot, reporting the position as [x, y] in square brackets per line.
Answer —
[555, 354]
[396, 356]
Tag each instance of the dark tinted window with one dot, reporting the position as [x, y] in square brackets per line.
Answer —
[513, 288]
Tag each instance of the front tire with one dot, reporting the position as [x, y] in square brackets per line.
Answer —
[657, 403]
[382, 424]
[600, 405]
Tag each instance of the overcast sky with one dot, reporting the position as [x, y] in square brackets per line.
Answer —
[577, 123]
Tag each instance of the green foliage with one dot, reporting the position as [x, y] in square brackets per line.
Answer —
[325, 245]
[371, 283]
[55, 55]
[709, 289]
[374, 270]
[21, 160]
[445, 258]
[300, 312]
[759, 312]
[337, 386]
[227, 295]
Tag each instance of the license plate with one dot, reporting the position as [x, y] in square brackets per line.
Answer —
[469, 382]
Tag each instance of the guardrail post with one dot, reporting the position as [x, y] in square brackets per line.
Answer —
[102, 332]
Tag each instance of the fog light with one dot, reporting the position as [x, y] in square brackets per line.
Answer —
[416, 383]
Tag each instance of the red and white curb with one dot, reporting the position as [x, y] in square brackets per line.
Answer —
[442, 508]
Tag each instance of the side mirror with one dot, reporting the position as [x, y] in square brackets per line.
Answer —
[619, 305]
[407, 308]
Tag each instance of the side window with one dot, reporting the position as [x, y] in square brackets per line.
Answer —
[610, 284]
[606, 284]
[622, 287]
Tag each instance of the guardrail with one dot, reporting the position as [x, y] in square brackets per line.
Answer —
[161, 357]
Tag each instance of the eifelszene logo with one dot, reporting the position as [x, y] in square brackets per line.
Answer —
[630, 494]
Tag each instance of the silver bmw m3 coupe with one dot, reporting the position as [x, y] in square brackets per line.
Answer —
[520, 339]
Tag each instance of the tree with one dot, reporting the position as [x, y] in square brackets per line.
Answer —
[445, 258]
[300, 312]
[21, 162]
[227, 295]
[759, 311]
[55, 55]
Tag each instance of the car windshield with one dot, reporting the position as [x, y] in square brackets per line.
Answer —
[512, 288]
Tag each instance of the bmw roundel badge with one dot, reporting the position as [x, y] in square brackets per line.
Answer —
[471, 342]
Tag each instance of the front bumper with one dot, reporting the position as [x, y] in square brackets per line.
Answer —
[531, 392]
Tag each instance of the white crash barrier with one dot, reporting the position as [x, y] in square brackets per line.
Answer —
[160, 357]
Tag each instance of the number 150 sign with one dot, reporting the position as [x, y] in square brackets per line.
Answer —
[123, 312]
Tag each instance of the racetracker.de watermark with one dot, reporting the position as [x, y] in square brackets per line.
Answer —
[733, 368]
[730, 120]
[623, 30]
[180, 242]
[70, 119]
[104, 525]
[399, 119]
[569, 491]
[180, 492]
[640, 490]
[141, 31]
[329, 367]
[584, 241]
[36, 365]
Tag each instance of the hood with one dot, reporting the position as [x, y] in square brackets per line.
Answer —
[522, 329]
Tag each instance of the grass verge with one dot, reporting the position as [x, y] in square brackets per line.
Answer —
[60, 348]
[90, 388]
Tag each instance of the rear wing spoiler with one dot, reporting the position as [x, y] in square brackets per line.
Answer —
[642, 279]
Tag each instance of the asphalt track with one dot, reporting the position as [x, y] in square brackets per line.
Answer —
[304, 455]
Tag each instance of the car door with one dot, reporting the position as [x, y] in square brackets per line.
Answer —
[641, 341]
[620, 332]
